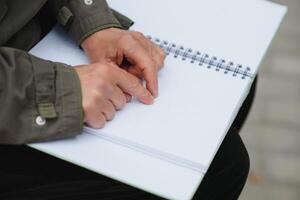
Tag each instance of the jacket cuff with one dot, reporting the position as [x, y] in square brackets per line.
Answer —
[82, 18]
[63, 117]
[125, 22]
[70, 99]
[86, 27]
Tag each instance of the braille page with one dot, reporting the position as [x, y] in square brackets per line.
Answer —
[188, 120]
[201, 89]
[236, 30]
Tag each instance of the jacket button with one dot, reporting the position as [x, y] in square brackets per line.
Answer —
[88, 2]
[40, 121]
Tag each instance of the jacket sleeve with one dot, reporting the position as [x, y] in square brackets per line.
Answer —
[40, 100]
[81, 18]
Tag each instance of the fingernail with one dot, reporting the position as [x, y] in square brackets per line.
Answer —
[128, 98]
[148, 100]
[156, 94]
[156, 90]
[151, 99]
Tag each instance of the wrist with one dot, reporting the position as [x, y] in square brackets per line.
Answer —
[96, 38]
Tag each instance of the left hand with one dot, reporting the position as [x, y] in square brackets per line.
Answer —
[144, 58]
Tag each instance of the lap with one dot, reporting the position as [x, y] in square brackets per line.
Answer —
[228, 171]
[29, 173]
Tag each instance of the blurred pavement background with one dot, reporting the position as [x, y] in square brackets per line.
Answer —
[272, 132]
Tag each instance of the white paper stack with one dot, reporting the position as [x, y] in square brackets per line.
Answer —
[215, 48]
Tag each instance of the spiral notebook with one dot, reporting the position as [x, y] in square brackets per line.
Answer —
[214, 50]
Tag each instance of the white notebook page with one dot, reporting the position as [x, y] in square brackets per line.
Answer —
[188, 120]
[237, 30]
[137, 166]
[152, 147]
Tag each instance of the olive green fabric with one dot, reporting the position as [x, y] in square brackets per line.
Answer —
[81, 19]
[18, 14]
[3, 10]
[65, 16]
[41, 100]
[18, 97]
[124, 21]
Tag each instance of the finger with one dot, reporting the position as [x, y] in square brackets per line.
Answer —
[136, 72]
[157, 53]
[159, 56]
[107, 109]
[141, 59]
[118, 98]
[151, 48]
[132, 85]
[150, 74]
[92, 117]
[96, 121]
[128, 97]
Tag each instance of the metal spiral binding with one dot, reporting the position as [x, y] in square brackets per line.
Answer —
[185, 54]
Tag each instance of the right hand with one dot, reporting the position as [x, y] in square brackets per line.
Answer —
[104, 87]
[116, 45]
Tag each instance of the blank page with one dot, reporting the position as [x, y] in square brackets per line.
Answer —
[167, 147]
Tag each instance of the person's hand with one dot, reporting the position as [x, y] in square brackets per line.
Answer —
[143, 58]
[104, 87]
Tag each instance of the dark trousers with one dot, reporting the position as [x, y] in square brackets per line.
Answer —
[28, 174]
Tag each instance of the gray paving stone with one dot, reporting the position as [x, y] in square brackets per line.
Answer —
[284, 169]
[284, 192]
[284, 112]
[270, 138]
[252, 191]
[272, 131]
[286, 66]
[271, 86]
[270, 191]
[281, 140]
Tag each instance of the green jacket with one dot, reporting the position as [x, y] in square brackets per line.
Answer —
[40, 100]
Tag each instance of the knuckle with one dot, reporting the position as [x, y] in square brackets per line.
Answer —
[131, 46]
[135, 84]
[126, 38]
[138, 34]
[97, 120]
[161, 64]
[118, 105]
[100, 123]
[110, 114]
[162, 53]
[121, 103]
[110, 108]
[161, 60]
